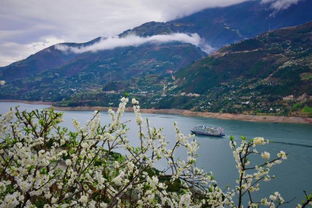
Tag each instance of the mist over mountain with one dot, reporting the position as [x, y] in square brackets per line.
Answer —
[134, 40]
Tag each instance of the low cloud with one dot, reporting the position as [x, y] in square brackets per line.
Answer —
[280, 4]
[134, 40]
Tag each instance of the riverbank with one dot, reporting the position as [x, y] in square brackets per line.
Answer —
[28, 102]
[227, 116]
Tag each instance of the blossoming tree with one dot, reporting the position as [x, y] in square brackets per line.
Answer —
[45, 165]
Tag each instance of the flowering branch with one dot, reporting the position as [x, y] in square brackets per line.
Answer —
[45, 165]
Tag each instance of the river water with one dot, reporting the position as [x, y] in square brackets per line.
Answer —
[293, 176]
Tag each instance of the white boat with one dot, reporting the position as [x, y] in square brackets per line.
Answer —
[209, 131]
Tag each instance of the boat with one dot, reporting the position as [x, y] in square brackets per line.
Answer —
[208, 131]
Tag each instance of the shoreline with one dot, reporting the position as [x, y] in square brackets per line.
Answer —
[27, 102]
[225, 116]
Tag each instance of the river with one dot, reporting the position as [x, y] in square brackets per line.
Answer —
[293, 176]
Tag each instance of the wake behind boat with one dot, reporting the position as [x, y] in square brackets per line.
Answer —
[208, 131]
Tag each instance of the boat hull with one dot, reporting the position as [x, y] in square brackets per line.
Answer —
[206, 133]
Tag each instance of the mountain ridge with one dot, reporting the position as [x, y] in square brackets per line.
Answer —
[225, 25]
[221, 18]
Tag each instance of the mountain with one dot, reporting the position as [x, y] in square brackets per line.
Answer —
[69, 73]
[226, 25]
[90, 71]
[42, 61]
[271, 73]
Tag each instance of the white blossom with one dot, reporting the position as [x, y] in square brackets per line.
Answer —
[265, 155]
[282, 155]
[83, 199]
[68, 162]
[258, 140]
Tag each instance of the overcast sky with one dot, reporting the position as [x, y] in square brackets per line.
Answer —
[27, 26]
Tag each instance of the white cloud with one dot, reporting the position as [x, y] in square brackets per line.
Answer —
[134, 40]
[25, 23]
[280, 4]
[81, 20]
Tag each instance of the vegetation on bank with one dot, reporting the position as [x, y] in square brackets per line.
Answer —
[46, 165]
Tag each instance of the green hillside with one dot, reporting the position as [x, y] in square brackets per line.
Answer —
[271, 73]
[89, 72]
